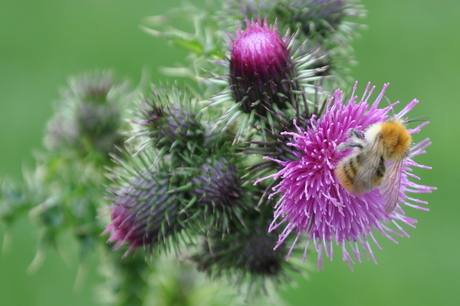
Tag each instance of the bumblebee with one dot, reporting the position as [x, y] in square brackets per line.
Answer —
[376, 160]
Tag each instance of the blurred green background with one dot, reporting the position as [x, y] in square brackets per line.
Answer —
[412, 44]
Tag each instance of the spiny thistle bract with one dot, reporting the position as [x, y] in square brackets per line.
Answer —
[246, 252]
[216, 186]
[169, 119]
[145, 213]
[320, 20]
[317, 19]
[327, 27]
[88, 118]
[156, 206]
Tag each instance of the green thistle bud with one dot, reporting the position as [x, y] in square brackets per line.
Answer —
[168, 120]
[246, 253]
[88, 116]
[325, 25]
[323, 28]
[217, 188]
[248, 9]
[316, 18]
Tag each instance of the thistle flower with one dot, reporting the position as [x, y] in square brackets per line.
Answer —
[312, 201]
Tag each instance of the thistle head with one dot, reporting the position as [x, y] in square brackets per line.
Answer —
[217, 187]
[89, 116]
[169, 120]
[145, 212]
[313, 203]
[261, 70]
[245, 255]
[266, 81]
[317, 19]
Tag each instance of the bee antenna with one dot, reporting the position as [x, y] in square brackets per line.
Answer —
[424, 118]
[355, 133]
[390, 105]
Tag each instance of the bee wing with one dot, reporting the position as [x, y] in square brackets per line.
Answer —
[365, 177]
[391, 185]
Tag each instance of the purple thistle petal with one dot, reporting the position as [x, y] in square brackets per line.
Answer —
[313, 202]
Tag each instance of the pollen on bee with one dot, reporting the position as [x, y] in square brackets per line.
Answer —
[395, 140]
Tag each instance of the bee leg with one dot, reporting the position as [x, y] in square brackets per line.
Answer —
[406, 154]
[354, 133]
[356, 141]
[350, 145]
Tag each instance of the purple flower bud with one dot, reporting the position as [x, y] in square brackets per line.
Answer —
[144, 214]
[261, 69]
